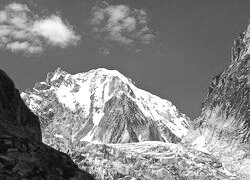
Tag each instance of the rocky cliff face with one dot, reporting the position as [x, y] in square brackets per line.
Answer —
[102, 106]
[22, 153]
[223, 127]
[16, 118]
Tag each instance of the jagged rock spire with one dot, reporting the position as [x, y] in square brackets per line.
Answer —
[241, 46]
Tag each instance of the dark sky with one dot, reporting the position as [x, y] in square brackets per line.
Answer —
[192, 44]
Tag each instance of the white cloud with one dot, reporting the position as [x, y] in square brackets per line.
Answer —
[23, 31]
[120, 23]
[23, 46]
[18, 7]
[56, 31]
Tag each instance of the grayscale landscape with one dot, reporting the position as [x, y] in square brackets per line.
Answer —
[112, 90]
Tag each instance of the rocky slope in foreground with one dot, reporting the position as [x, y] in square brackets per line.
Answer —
[22, 153]
[102, 106]
[223, 127]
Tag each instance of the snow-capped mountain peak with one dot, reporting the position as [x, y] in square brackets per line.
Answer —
[107, 107]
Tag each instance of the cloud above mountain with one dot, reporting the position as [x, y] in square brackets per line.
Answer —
[121, 24]
[21, 30]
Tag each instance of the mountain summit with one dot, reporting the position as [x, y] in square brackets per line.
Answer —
[103, 106]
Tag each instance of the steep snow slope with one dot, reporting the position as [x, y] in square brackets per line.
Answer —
[102, 106]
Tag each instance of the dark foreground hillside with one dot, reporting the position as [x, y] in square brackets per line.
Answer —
[22, 153]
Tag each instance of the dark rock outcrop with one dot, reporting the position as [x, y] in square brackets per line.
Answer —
[22, 153]
[16, 118]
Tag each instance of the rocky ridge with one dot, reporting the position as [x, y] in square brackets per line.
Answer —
[22, 153]
[223, 128]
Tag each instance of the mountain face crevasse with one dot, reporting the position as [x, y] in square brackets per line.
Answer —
[102, 106]
[223, 128]
[22, 153]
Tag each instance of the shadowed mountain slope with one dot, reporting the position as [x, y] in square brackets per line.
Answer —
[22, 153]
